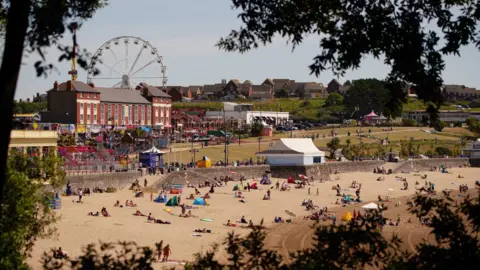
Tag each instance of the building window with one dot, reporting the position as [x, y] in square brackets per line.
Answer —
[116, 113]
[161, 100]
[156, 114]
[88, 95]
[317, 159]
[102, 114]
[81, 107]
[130, 118]
[109, 115]
[81, 95]
[149, 113]
[142, 114]
[135, 107]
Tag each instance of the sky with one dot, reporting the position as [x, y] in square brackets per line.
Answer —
[185, 32]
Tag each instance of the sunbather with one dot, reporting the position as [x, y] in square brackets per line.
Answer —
[138, 213]
[117, 204]
[243, 220]
[60, 254]
[204, 230]
[131, 204]
[159, 221]
[94, 215]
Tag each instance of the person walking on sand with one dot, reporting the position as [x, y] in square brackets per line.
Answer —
[308, 191]
[166, 253]
[80, 195]
[318, 192]
[159, 256]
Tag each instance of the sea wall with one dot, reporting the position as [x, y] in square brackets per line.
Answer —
[104, 180]
[427, 164]
[199, 175]
[318, 172]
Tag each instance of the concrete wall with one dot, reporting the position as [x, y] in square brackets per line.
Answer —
[118, 179]
[426, 164]
[199, 175]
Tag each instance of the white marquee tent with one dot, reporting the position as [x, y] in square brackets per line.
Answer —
[293, 152]
[154, 150]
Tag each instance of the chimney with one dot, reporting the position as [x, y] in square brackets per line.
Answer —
[55, 86]
[69, 86]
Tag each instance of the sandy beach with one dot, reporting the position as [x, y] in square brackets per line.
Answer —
[76, 229]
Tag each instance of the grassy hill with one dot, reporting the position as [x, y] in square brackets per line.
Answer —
[299, 108]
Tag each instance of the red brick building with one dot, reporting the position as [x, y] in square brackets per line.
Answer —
[82, 104]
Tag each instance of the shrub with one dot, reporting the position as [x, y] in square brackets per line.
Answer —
[443, 151]
[111, 190]
[409, 122]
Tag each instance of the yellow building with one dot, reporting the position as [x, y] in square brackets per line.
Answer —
[38, 139]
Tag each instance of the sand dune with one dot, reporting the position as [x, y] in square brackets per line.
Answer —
[76, 229]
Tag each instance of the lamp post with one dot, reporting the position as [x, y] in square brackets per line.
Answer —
[291, 128]
[225, 134]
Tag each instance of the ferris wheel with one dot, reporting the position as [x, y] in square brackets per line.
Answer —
[125, 62]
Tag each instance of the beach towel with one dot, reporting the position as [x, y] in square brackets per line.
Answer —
[168, 210]
[206, 219]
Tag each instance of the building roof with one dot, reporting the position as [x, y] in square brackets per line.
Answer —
[314, 87]
[118, 95]
[302, 146]
[155, 91]
[213, 88]
[77, 86]
[335, 81]
[279, 84]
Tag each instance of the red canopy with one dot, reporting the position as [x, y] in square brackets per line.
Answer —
[372, 114]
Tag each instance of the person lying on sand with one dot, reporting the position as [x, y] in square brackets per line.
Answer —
[138, 213]
[206, 196]
[197, 192]
[191, 197]
[132, 204]
[97, 214]
[459, 176]
[278, 220]
[204, 230]
[159, 221]
[117, 204]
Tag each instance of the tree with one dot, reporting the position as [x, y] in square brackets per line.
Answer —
[474, 126]
[256, 129]
[351, 30]
[333, 99]
[32, 26]
[25, 210]
[283, 93]
[366, 95]
[333, 145]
